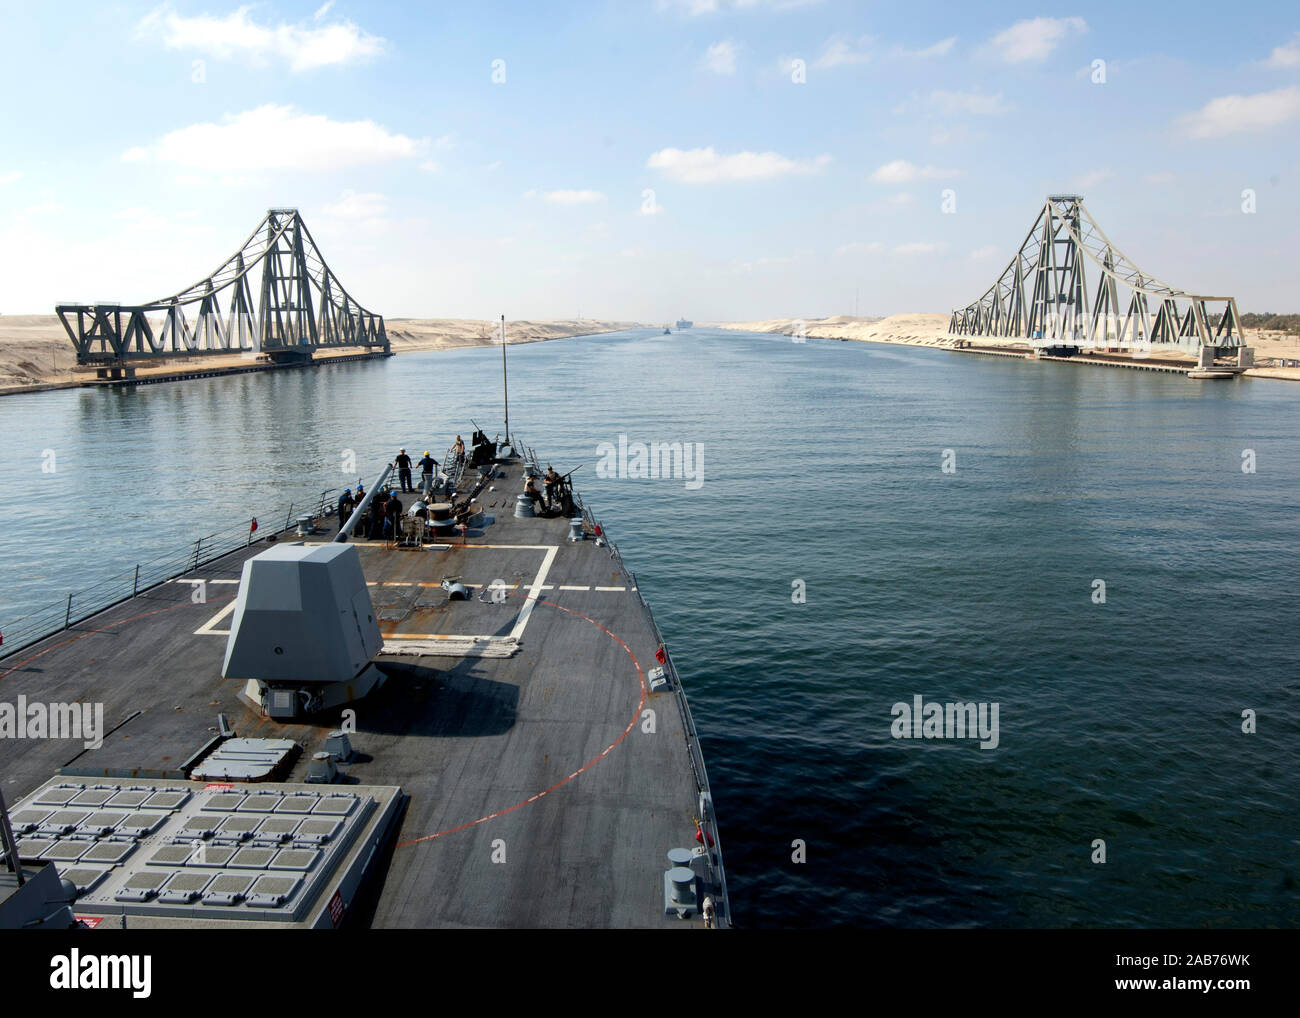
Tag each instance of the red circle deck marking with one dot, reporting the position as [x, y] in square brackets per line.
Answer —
[585, 767]
[450, 830]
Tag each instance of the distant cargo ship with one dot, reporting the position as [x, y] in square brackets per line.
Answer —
[682, 323]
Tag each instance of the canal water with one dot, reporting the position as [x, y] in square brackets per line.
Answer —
[875, 524]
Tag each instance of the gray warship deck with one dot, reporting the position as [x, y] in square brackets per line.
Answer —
[534, 795]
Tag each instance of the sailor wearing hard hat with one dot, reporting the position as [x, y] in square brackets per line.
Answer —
[427, 466]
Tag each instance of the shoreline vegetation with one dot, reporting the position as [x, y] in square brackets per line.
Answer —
[35, 353]
[932, 330]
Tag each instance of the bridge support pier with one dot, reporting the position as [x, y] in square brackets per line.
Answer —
[290, 355]
[1246, 357]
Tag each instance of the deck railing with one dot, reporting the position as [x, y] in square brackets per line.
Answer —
[77, 606]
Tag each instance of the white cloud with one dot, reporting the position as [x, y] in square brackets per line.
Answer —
[304, 46]
[840, 52]
[429, 166]
[943, 135]
[142, 221]
[970, 103]
[860, 247]
[1033, 39]
[918, 247]
[764, 262]
[939, 49]
[721, 57]
[1286, 55]
[41, 208]
[492, 166]
[694, 8]
[357, 206]
[1092, 178]
[1230, 114]
[279, 138]
[573, 197]
[900, 171]
[358, 213]
[982, 253]
[135, 212]
[902, 198]
[9, 178]
[199, 181]
[704, 165]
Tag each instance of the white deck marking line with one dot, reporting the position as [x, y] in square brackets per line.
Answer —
[575, 588]
[207, 628]
[537, 586]
[180, 580]
[422, 583]
[611, 588]
[527, 611]
[440, 547]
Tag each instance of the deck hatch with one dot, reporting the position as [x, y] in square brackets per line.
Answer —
[251, 858]
[141, 886]
[183, 888]
[170, 855]
[109, 852]
[57, 795]
[273, 891]
[260, 803]
[295, 859]
[129, 797]
[92, 797]
[226, 889]
[85, 878]
[170, 798]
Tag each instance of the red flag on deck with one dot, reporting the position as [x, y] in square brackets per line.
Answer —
[661, 655]
[253, 527]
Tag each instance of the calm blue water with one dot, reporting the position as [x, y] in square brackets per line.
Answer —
[822, 462]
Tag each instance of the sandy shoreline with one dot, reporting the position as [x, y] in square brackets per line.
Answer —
[932, 330]
[36, 354]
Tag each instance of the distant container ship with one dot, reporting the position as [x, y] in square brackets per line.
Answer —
[682, 323]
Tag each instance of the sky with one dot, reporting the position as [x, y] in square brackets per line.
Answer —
[645, 159]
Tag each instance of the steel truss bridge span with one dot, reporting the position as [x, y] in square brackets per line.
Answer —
[279, 295]
[1043, 294]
